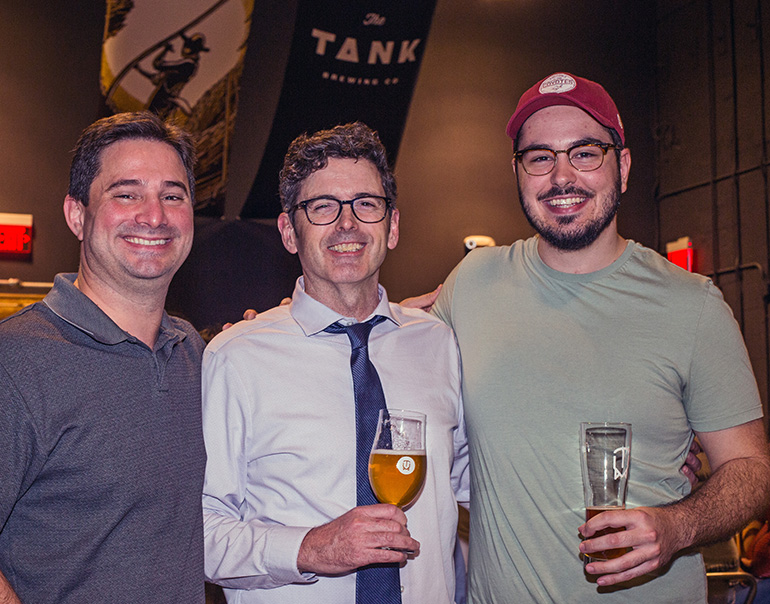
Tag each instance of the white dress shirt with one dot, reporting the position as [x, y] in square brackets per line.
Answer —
[279, 425]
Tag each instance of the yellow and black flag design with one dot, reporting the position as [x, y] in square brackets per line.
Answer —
[181, 59]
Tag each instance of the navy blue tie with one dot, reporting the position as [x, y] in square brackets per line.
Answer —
[377, 583]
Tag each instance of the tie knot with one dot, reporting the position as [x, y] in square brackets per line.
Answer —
[358, 333]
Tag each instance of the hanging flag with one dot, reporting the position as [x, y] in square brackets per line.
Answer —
[348, 60]
[181, 59]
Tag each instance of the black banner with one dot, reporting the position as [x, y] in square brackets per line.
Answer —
[349, 60]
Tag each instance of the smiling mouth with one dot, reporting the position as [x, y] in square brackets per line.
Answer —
[143, 241]
[346, 247]
[565, 202]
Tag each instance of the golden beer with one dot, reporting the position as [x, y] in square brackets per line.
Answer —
[607, 554]
[396, 476]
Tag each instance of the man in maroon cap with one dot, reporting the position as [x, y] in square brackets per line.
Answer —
[579, 324]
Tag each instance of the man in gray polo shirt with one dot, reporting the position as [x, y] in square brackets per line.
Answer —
[101, 446]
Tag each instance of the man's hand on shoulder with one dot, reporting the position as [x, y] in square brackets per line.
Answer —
[356, 539]
[250, 314]
[424, 302]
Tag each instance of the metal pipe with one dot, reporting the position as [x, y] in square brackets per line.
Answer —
[18, 283]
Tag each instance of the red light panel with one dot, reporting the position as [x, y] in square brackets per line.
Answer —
[680, 252]
[15, 233]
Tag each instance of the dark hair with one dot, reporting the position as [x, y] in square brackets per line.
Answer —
[87, 163]
[617, 141]
[310, 153]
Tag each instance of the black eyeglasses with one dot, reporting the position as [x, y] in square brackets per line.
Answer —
[584, 158]
[325, 209]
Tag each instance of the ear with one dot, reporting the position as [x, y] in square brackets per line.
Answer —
[288, 235]
[625, 168]
[74, 214]
[393, 232]
[515, 166]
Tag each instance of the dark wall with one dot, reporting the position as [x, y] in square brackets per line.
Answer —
[713, 146]
[49, 92]
[217, 282]
[454, 163]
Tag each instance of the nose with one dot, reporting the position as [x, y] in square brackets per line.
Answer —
[151, 212]
[563, 172]
[347, 219]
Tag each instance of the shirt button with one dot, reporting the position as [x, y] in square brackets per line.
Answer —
[402, 589]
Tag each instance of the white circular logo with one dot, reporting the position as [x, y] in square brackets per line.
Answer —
[405, 465]
[558, 82]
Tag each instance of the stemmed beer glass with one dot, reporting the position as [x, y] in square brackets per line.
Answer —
[397, 463]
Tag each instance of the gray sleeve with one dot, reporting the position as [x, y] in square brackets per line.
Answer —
[20, 458]
[721, 391]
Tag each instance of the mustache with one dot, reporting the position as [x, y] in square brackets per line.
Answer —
[571, 190]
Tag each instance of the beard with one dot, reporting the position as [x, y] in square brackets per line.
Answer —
[560, 235]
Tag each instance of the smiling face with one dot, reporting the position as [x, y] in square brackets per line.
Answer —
[137, 228]
[569, 209]
[342, 258]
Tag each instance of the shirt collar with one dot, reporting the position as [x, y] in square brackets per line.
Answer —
[313, 317]
[77, 309]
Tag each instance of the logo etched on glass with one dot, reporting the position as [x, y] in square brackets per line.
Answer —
[624, 452]
[405, 465]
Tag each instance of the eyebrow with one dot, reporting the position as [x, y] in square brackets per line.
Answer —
[583, 141]
[135, 182]
[356, 196]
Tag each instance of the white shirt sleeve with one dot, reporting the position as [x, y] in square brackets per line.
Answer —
[239, 554]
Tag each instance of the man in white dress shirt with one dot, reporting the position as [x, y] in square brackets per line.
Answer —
[280, 514]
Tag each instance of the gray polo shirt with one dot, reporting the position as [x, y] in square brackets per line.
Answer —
[101, 456]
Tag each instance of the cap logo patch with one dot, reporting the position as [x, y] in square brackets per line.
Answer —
[557, 83]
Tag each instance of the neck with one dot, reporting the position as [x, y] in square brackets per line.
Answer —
[137, 313]
[607, 248]
[351, 300]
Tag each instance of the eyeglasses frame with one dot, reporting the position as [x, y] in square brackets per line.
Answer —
[603, 146]
[350, 202]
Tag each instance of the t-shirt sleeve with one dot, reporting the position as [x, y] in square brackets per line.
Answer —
[443, 305]
[721, 391]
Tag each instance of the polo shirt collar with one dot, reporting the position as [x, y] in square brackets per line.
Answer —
[77, 309]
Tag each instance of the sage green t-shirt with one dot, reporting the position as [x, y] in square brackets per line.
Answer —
[640, 341]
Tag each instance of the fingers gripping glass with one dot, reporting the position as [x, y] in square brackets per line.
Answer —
[584, 158]
[325, 209]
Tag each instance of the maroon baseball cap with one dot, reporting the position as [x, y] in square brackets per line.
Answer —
[567, 89]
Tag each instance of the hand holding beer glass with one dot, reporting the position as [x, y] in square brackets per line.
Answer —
[397, 463]
[605, 457]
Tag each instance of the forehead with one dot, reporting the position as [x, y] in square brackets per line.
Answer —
[125, 157]
[559, 127]
[343, 178]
